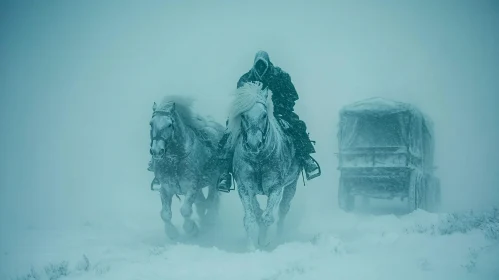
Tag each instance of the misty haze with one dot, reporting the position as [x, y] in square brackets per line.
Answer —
[78, 80]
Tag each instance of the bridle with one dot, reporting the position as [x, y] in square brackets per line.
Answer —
[159, 136]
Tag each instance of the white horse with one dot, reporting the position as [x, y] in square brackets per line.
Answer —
[184, 147]
[264, 161]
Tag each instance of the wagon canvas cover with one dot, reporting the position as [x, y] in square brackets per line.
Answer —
[378, 122]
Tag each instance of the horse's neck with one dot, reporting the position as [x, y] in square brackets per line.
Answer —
[273, 149]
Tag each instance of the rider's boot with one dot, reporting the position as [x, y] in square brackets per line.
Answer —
[310, 165]
[225, 180]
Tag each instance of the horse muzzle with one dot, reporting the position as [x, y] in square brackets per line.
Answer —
[157, 154]
[254, 143]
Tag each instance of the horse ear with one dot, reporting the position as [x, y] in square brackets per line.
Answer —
[154, 106]
[173, 107]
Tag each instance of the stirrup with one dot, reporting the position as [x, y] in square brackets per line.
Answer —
[315, 174]
[229, 181]
[154, 182]
[150, 166]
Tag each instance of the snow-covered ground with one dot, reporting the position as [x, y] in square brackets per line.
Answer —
[418, 245]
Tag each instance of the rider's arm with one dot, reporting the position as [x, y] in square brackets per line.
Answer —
[289, 92]
[289, 88]
[242, 80]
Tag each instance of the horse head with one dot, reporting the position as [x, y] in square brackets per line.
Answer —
[162, 130]
[255, 123]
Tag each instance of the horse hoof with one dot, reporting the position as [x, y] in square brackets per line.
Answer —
[251, 247]
[191, 229]
[211, 218]
[280, 231]
[208, 223]
[264, 244]
[171, 232]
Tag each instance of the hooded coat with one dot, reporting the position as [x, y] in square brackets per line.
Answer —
[284, 96]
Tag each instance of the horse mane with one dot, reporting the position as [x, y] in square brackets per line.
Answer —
[245, 98]
[207, 129]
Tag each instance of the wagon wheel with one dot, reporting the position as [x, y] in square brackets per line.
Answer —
[429, 196]
[433, 196]
[345, 199]
[414, 191]
[425, 193]
[438, 195]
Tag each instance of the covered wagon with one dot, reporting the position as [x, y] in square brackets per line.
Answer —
[386, 151]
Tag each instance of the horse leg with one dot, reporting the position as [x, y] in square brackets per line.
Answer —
[200, 203]
[256, 209]
[268, 215]
[190, 226]
[250, 219]
[288, 194]
[272, 202]
[262, 233]
[166, 212]
[213, 204]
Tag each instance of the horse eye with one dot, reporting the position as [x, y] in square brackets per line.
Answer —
[264, 116]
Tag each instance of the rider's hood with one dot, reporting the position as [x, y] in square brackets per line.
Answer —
[261, 64]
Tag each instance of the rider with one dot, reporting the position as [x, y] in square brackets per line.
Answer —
[284, 96]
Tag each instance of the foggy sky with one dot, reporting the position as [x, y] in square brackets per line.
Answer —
[78, 79]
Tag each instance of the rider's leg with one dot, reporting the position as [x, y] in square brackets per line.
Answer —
[304, 146]
[225, 181]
